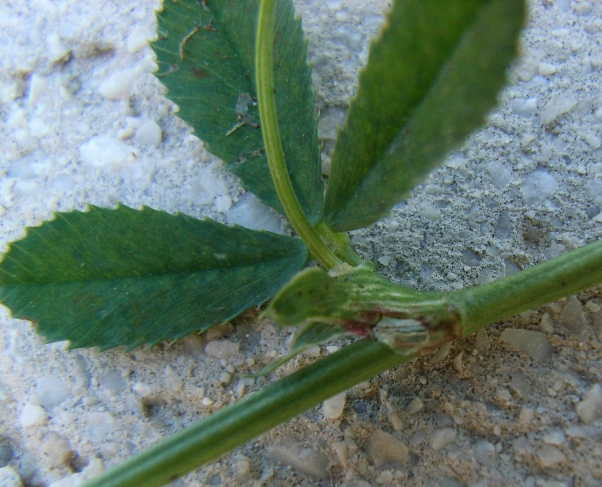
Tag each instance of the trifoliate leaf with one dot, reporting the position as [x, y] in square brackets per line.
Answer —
[128, 277]
[205, 52]
[431, 77]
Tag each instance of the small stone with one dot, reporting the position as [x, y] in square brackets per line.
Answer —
[482, 342]
[555, 437]
[526, 415]
[225, 378]
[396, 421]
[333, 408]
[590, 408]
[33, 415]
[222, 349]
[51, 391]
[532, 343]
[56, 449]
[385, 477]
[342, 451]
[443, 437]
[241, 469]
[38, 86]
[484, 453]
[415, 405]
[143, 389]
[119, 84]
[573, 318]
[307, 460]
[148, 135]
[546, 324]
[557, 107]
[385, 260]
[385, 449]
[6, 452]
[173, 380]
[592, 140]
[57, 49]
[104, 151]
[550, 456]
[139, 38]
[546, 69]
[9, 478]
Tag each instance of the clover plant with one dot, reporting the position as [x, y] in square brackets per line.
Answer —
[237, 70]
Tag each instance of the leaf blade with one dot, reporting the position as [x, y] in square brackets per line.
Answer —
[206, 59]
[139, 277]
[444, 62]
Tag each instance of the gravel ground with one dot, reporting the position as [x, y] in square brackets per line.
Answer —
[84, 121]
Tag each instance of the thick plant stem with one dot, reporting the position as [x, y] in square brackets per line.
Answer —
[316, 240]
[562, 276]
[257, 413]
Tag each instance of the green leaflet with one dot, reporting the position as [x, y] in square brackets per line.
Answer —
[311, 335]
[431, 77]
[128, 277]
[205, 53]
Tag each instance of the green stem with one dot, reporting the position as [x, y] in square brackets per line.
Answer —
[562, 276]
[316, 240]
[257, 413]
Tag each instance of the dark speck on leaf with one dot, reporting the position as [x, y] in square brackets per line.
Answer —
[200, 73]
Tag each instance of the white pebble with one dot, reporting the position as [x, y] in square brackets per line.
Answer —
[484, 453]
[106, 152]
[384, 260]
[573, 318]
[173, 380]
[443, 437]
[37, 89]
[429, 211]
[415, 405]
[99, 424]
[149, 134]
[307, 460]
[223, 203]
[592, 140]
[555, 437]
[590, 408]
[546, 69]
[500, 174]
[538, 185]
[546, 324]
[526, 415]
[333, 408]
[556, 107]
[241, 469]
[57, 50]
[222, 349]
[9, 478]
[225, 378]
[143, 389]
[524, 107]
[33, 415]
[51, 391]
[118, 84]
[139, 38]
[206, 401]
[550, 456]
[532, 343]
[385, 449]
